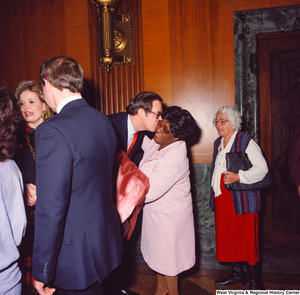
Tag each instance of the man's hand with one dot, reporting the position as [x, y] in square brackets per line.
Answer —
[31, 194]
[42, 290]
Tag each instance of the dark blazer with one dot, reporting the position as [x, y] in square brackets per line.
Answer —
[119, 122]
[77, 228]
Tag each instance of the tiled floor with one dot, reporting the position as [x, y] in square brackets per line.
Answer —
[203, 282]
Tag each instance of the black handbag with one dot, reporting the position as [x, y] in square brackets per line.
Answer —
[239, 161]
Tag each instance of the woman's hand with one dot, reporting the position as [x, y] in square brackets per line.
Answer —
[230, 177]
[31, 194]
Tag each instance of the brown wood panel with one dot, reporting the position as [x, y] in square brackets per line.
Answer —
[114, 90]
[35, 30]
[188, 61]
[77, 33]
[32, 32]
[157, 48]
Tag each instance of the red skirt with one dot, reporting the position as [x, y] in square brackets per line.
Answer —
[236, 235]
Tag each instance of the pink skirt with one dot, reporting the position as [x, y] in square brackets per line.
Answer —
[168, 240]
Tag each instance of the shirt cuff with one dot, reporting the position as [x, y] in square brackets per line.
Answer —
[242, 177]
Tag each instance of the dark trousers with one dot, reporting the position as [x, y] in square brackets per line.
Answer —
[95, 289]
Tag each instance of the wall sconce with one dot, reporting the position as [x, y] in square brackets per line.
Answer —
[115, 41]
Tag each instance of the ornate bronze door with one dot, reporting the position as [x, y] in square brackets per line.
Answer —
[279, 105]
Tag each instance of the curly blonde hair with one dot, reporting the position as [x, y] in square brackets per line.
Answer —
[37, 88]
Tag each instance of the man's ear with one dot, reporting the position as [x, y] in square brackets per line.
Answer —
[141, 113]
[47, 83]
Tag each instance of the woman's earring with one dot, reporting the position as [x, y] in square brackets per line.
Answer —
[44, 115]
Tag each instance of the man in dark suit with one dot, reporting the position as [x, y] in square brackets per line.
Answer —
[141, 117]
[77, 230]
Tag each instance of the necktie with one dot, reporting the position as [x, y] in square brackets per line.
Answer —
[133, 142]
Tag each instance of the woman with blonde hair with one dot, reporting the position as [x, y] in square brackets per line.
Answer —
[34, 111]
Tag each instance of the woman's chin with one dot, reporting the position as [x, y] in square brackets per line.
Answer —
[156, 138]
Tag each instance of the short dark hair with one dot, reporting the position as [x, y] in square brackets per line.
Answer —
[63, 72]
[181, 122]
[9, 120]
[144, 101]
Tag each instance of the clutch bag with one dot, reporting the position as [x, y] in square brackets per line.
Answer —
[240, 161]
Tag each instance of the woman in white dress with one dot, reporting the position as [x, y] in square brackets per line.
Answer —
[168, 236]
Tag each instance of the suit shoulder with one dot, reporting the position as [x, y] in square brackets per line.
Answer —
[114, 118]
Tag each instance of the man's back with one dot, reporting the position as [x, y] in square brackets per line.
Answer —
[75, 152]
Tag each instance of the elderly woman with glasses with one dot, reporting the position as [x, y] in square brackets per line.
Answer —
[168, 237]
[236, 212]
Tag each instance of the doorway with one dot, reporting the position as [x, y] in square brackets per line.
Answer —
[279, 113]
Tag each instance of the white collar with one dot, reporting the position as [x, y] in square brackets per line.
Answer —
[130, 127]
[66, 101]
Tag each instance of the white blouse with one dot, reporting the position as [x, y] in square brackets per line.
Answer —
[256, 173]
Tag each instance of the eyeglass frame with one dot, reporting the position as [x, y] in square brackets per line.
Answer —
[223, 121]
[156, 114]
[164, 130]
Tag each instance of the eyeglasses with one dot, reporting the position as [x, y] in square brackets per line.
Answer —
[165, 130]
[156, 114]
[222, 121]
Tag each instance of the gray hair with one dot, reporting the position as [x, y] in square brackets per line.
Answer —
[234, 116]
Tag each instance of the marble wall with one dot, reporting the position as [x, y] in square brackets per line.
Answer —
[248, 24]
